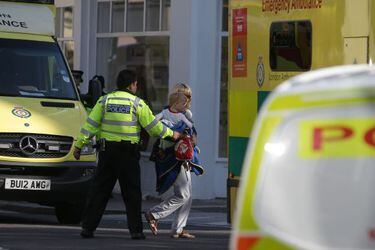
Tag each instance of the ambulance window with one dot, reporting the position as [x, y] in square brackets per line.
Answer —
[34, 69]
[290, 46]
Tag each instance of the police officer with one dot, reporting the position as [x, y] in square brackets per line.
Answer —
[117, 119]
[78, 78]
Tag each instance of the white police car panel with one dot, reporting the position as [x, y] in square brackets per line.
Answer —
[27, 184]
[316, 177]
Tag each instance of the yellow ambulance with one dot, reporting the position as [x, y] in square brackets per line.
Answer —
[309, 176]
[41, 114]
[273, 40]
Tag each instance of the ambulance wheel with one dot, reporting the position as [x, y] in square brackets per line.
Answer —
[68, 213]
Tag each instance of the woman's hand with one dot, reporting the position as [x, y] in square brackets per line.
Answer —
[176, 135]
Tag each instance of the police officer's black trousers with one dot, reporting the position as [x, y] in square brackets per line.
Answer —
[119, 161]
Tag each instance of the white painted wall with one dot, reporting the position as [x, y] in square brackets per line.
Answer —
[85, 39]
[194, 55]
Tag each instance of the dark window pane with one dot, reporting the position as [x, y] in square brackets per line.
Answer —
[103, 17]
[134, 18]
[34, 69]
[118, 16]
[290, 46]
[223, 125]
[152, 15]
[166, 9]
[148, 56]
[224, 20]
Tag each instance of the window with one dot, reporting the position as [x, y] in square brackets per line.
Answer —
[147, 56]
[34, 69]
[116, 16]
[64, 32]
[290, 46]
[134, 15]
[153, 15]
[223, 120]
[165, 11]
[133, 34]
[103, 17]
[34, 1]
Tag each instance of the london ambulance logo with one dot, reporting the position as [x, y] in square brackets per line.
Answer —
[260, 72]
[21, 112]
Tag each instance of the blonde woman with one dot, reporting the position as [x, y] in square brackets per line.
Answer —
[174, 172]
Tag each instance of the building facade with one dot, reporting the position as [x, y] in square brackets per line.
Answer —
[165, 42]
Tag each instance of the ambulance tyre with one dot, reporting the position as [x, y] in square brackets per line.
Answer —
[68, 213]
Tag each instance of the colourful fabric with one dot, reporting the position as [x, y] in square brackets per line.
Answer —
[183, 149]
[195, 163]
[167, 166]
[167, 170]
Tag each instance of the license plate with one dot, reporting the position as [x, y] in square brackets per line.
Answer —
[27, 184]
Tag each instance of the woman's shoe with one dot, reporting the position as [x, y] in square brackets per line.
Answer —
[184, 234]
[152, 223]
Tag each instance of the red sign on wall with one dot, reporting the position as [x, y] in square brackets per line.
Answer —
[239, 43]
[239, 22]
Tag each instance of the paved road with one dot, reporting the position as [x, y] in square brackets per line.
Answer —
[35, 227]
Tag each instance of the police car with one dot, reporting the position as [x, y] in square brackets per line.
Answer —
[309, 173]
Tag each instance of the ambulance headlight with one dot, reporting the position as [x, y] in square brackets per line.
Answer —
[88, 149]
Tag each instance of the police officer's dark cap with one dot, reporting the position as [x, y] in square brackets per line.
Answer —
[125, 78]
[77, 74]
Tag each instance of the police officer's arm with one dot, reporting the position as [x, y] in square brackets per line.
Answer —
[91, 127]
[152, 125]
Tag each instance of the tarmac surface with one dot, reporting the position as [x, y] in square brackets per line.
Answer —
[33, 227]
[210, 213]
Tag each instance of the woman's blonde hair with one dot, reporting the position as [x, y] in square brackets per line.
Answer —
[177, 99]
[180, 88]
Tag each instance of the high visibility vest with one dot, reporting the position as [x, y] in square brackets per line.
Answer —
[118, 116]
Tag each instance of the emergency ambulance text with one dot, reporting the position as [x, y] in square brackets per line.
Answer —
[288, 5]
